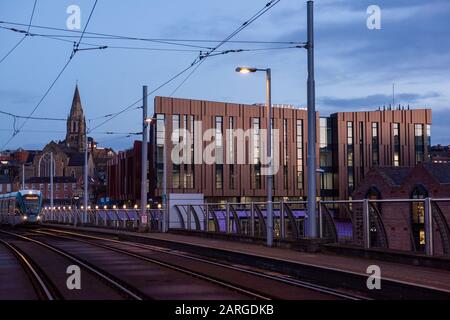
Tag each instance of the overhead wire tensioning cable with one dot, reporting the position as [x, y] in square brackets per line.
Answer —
[23, 38]
[198, 60]
[16, 132]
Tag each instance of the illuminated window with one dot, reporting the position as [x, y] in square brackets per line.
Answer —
[219, 152]
[375, 144]
[256, 161]
[299, 154]
[396, 146]
[350, 158]
[419, 142]
[418, 218]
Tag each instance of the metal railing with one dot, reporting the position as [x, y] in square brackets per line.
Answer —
[411, 225]
[368, 223]
[127, 219]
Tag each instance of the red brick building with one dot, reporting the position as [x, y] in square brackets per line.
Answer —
[124, 175]
[64, 189]
[404, 222]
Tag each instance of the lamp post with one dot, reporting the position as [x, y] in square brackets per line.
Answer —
[145, 123]
[269, 177]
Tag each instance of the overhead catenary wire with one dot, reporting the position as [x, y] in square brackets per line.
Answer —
[107, 46]
[32, 118]
[198, 61]
[170, 41]
[23, 38]
[203, 57]
[16, 132]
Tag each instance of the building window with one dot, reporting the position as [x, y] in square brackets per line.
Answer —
[192, 165]
[350, 158]
[419, 142]
[185, 176]
[219, 152]
[396, 144]
[375, 145]
[160, 140]
[299, 154]
[176, 168]
[429, 140]
[285, 153]
[361, 150]
[418, 218]
[256, 160]
[231, 157]
[326, 157]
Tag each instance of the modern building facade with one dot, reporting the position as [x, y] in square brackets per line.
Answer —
[362, 140]
[348, 145]
[230, 179]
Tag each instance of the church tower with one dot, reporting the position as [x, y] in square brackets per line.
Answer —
[76, 125]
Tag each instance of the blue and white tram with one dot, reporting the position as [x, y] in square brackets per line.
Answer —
[21, 207]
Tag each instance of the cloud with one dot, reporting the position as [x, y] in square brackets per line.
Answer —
[16, 97]
[373, 101]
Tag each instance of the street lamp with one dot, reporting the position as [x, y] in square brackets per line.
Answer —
[269, 176]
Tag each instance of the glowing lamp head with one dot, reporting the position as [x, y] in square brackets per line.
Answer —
[245, 70]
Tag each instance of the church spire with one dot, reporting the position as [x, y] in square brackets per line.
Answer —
[76, 124]
[76, 103]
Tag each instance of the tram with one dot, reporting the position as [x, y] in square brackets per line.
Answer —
[21, 207]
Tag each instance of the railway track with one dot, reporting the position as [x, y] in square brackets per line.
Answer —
[235, 292]
[43, 288]
[47, 289]
[166, 258]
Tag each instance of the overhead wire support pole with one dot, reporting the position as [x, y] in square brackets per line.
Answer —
[312, 215]
[144, 176]
[52, 168]
[269, 156]
[86, 180]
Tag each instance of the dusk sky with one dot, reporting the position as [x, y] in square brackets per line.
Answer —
[355, 66]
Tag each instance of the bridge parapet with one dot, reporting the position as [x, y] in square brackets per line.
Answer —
[116, 218]
[404, 225]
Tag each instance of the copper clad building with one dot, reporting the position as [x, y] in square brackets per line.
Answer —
[348, 145]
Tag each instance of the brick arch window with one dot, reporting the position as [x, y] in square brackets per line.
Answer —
[418, 218]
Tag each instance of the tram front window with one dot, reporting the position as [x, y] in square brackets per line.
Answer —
[31, 203]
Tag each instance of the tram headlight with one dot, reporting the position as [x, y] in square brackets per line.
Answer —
[25, 218]
[38, 218]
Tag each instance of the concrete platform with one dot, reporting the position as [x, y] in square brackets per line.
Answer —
[401, 274]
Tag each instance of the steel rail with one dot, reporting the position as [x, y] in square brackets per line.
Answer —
[42, 289]
[295, 282]
[163, 264]
[99, 273]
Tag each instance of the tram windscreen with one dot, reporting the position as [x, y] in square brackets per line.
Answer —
[31, 203]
